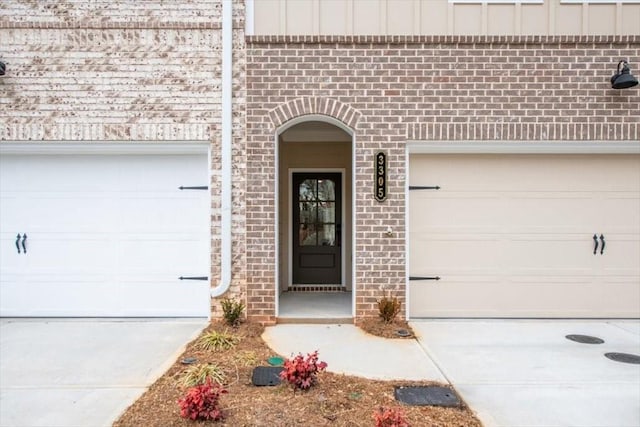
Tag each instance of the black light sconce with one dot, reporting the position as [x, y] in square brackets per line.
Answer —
[623, 78]
[3, 68]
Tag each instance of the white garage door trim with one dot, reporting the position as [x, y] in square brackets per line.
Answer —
[185, 304]
[501, 147]
[55, 147]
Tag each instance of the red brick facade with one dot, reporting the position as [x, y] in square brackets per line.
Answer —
[390, 90]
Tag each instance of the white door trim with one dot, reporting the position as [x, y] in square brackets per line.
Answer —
[510, 147]
[290, 173]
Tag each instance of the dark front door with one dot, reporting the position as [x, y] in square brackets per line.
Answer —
[317, 227]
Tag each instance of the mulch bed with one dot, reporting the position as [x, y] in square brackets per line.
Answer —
[336, 400]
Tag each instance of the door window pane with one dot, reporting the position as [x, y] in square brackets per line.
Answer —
[326, 212]
[326, 235]
[307, 235]
[307, 190]
[308, 212]
[326, 189]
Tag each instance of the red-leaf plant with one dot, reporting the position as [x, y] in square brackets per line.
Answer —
[301, 372]
[389, 417]
[201, 402]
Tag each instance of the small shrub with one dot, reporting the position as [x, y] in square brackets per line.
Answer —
[388, 308]
[202, 402]
[301, 372]
[217, 341]
[232, 310]
[246, 358]
[199, 374]
[389, 417]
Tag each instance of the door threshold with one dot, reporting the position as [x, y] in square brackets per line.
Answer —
[314, 320]
[316, 288]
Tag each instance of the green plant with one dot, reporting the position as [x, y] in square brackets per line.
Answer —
[199, 374]
[232, 310]
[202, 402]
[389, 417]
[388, 308]
[301, 372]
[217, 341]
[246, 358]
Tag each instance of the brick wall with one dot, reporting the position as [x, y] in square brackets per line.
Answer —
[126, 71]
[391, 90]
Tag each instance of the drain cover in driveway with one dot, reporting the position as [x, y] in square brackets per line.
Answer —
[585, 339]
[266, 375]
[427, 396]
[624, 358]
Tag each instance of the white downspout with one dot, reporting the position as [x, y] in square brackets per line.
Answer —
[226, 143]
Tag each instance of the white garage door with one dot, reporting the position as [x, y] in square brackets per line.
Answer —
[513, 236]
[106, 235]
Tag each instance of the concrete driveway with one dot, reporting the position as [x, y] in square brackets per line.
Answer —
[517, 373]
[83, 372]
[512, 373]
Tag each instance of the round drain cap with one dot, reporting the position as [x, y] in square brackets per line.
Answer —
[585, 339]
[624, 358]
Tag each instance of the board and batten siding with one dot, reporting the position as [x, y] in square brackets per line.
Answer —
[444, 17]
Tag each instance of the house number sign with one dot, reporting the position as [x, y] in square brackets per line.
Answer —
[381, 177]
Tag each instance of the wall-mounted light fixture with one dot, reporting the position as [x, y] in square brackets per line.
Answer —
[3, 68]
[623, 78]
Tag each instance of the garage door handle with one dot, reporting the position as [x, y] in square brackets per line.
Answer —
[194, 278]
[424, 278]
[595, 240]
[24, 243]
[602, 241]
[18, 242]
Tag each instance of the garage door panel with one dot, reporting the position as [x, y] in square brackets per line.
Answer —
[546, 252]
[69, 252]
[174, 256]
[147, 214]
[437, 253]
[441, 211]
[504, 211]
[108, 235]
[58, 296]
[552, 298]
[622, 253]
[622, 213]
[65, 174]
[173, 298]
[170, 172]
[498, 172]
[512, 235]
[54, 212]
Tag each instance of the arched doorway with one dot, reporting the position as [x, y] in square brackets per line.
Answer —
[315, 217]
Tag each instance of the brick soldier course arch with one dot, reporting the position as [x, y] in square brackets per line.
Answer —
[316, 106]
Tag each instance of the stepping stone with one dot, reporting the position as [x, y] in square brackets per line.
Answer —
[266, 375]
[427, 396]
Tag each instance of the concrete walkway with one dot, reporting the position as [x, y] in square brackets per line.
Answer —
[513, 373]
[348, 350]
[82, 372]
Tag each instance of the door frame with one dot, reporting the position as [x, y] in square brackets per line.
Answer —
[279, 190]
[290, 173]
